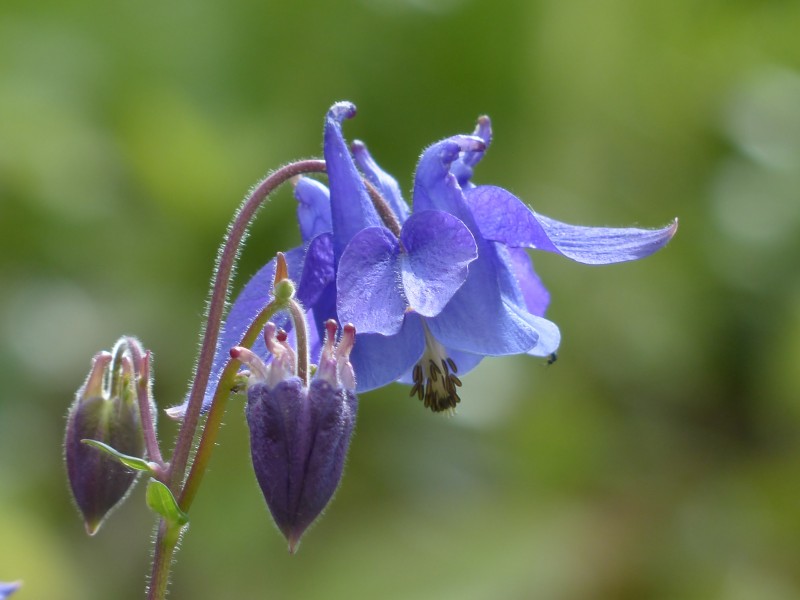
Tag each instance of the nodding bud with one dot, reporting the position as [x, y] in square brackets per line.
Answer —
[105, 409]
[299, 435]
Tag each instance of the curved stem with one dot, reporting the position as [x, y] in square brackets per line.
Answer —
[221, 282]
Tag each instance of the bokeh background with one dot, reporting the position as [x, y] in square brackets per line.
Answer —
[658, 458]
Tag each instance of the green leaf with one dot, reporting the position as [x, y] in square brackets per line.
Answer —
[161, 500]
[137, 464]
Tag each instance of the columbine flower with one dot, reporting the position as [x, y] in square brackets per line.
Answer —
[6, 589]
[432, 293]
[299, 435]
[498, 308]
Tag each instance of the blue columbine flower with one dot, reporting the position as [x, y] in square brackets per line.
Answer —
[434, 290]
[496, 311]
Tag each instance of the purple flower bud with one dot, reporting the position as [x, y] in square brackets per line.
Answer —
[105, 410]
[299, 435]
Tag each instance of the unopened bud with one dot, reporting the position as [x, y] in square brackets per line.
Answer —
[105, 409]
[299, 435]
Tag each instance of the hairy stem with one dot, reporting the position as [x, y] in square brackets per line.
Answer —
[168, 535]
[219, 294]
[166, 543]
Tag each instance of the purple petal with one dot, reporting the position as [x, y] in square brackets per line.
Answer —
[438, 249]
[351, 207]
[379, 360]
[313, 208]
[479, 318]
[462, 167]
[370, 295]
[435, 187]
[549, 334]
[318, 270]
[502, 217]
[520, 281]
[385, 183]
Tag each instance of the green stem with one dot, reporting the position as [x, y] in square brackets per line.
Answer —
[166, 543]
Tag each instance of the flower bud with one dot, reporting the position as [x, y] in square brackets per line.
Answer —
[299, 435]
[105, 409]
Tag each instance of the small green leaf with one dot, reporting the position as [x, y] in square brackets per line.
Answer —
[161, 500]
[137, 464]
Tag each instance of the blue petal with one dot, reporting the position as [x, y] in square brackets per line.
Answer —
[502, 217]
[313, 208]
[479, 319]
[435, 187]
[379, 360]
[370, 295]
[520, 281]
[462, 167]
[385, 183]
[351, 207]
[438, 249]
[318, 270]
[549, 334]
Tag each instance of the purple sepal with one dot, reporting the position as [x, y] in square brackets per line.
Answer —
[299, 439]
[313, 208]
[502, 217]
[351, 207]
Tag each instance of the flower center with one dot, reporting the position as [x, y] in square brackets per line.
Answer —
[435, 381]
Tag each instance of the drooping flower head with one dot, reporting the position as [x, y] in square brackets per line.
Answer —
[496, 310]
[299, 434]
[434, 289]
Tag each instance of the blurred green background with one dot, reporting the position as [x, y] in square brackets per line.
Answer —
[658, 458]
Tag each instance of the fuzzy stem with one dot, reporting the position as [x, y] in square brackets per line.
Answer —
[166, 543]
[168, 536]
[221, 282]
